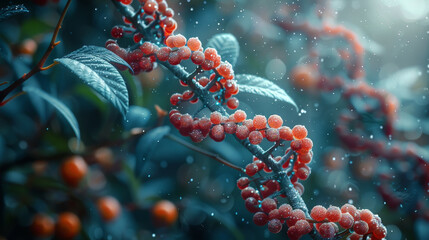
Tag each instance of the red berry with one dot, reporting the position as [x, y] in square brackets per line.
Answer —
[186, 122]
[361, 227]
[333, 214]
[117, 32]
[380, 232]
[215, 117]
[275, 121]
[252, 205]
[293, 233]
[295, 216]
[259, 122]
[243, 182]
[170, 41]
[296, 145]
[272, 134]
[179, 41]
[150, 7]
[260, 218]
[285, 210]
[217, 133]
[248, 192]
[163, 54]
[285, 133]
[174, 58]
[326, 230]
[255, 137]
[197, 57]
[232, 103]
[318, 213]
[346, 220]
[242, 132]
[303, 173]
[207, 65]
[239, 116]
[268, 204]
[366, 215]
[299, 132]
[175, 99]
[230, 127]
[210, 54]
[274, 214]
[251, 169]
[194, 44]
[348, 208]
[303, 227]
[196, 135]
[298, 187]
[184, 53]
[274, 226]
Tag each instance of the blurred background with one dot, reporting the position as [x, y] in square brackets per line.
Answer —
[206, 202]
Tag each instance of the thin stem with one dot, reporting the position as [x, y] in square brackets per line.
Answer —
[272, 148]
[204, 152]
[39, 66]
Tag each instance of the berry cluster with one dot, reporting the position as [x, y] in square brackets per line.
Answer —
[355, 223]
[255, 130]
[150, 11]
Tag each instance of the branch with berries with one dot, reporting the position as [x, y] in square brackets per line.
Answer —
[213, 83]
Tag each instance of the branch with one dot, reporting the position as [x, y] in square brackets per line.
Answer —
[39, 67]
[208, 101]
[204, 152]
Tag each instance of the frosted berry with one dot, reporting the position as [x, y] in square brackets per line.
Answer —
[274, 226]
[197, 57]
[318, 213]
[268, 204]
[333, 214]
[217, 133]
[275, 121]
[272, 134]
[210, 54]
[194, 43]
[285, 210]
[361, 227]
[346, 220]
[259, 122]
[299, 132]
[150, 7]
[252, 205]
[285, 133]
[260, 218]
[242, 132]
[326, 230]
[243, 182]
[232, 103]
[255, 137]
[239, 116]
[215, 117]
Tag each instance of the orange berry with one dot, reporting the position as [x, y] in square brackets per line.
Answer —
[210, 54]
[179, 40]
[194, 43]
[275, 121]
[109, 208]
[299, 132]
[42, 225]
[239, 116]
[304, 76]
[260, 122]
[164, 213]
[73, 170]
[68, 225]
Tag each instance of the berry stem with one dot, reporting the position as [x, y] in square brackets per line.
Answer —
[39, 67]
[204, 152]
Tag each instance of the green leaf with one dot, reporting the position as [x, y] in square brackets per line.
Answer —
[263, 87]
[33, 27]
[93, 66]
[11, 10]
[63, 109]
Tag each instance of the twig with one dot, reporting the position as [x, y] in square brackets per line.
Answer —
[39, 67]
[204, 152]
